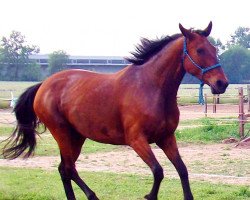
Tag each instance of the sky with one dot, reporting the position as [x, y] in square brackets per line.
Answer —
[114, 27]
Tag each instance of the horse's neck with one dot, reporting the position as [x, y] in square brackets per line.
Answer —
[166, 69]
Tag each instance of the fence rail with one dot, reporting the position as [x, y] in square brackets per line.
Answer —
[242, 116]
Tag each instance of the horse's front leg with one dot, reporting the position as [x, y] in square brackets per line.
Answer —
[143, 149]
[169, 146]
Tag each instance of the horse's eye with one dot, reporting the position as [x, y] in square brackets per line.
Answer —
[200, 51]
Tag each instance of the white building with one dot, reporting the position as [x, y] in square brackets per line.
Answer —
[94, 63]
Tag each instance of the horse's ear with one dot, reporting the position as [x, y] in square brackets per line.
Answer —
[207, 31]
[186, 33]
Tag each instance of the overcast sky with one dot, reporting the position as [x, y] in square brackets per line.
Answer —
[113, 27]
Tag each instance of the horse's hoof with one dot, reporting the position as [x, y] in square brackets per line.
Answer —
[149, 197]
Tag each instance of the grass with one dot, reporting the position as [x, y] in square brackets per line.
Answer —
[15, 87]
[188, 94]
[47, 146]
[34, 184]
[193, 89]
[6, 87]
[209, 131]
[4, 104]
[6, 130]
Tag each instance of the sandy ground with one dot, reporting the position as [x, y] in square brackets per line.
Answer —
[220, 163]
[222, 110]
[186, 112]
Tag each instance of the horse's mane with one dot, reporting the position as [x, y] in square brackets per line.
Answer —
[148, 48]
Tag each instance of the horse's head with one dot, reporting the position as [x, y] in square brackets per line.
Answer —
[200, 59]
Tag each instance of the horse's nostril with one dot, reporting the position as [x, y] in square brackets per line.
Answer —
[221, 84]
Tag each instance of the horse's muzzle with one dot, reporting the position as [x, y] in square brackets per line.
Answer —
[219, 87]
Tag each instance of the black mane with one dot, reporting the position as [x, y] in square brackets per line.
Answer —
[148, 48]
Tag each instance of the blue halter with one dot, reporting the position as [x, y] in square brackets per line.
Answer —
[203, 70]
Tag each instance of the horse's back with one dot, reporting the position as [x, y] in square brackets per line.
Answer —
[64, 83]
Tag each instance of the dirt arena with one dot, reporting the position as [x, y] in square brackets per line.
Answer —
[222, 110]
[186, 112]
[217, 163]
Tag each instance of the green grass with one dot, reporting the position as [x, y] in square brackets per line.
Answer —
[34, 184]
[188, 94]
[4, 104]
[6, 87]
[5, 130]
[193, 89]
[47, 146]
[210, 131]
[15, 87]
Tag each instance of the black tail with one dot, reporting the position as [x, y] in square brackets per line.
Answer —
[24, 135]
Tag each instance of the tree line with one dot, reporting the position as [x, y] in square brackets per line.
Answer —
[15, 62]
[235, 56]
[16, 65]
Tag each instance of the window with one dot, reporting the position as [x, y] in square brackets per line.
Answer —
[97, 61]
[118, 61]
[43, 60]
[82, 61]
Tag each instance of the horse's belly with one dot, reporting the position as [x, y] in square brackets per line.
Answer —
[100, 129]
[104, 135]
[107, 139]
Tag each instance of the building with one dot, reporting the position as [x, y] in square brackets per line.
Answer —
[106, 64]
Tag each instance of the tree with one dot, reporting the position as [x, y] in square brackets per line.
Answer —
[58, 61]
[236, 59]
[235, 62]
[15, 54]
[217, 43]
[240, 37]
[32, 73]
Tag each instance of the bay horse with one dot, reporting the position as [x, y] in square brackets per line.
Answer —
[136, 106]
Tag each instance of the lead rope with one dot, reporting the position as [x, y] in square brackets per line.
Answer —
[201, 98]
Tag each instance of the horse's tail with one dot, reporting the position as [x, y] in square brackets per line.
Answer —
[24, 135]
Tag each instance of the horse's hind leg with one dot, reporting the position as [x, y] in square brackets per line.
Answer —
[169, 146]
[70, 143]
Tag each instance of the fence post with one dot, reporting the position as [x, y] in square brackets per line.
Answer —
[241, 112]
[214, 103]
[218, 99]
[248, 97]
[205, 105]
